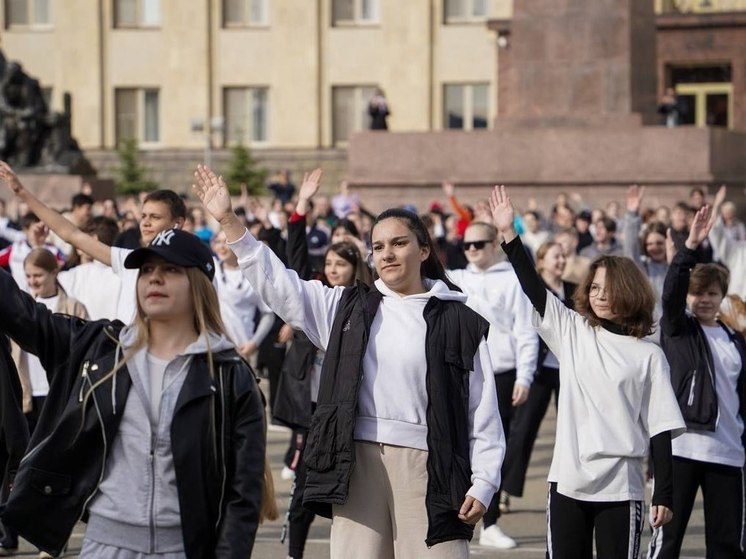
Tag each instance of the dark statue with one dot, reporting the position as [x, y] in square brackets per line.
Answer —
[32, 137]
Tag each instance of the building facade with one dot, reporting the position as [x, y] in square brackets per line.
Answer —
[292, 78]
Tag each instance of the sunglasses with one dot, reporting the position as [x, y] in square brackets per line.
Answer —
[479, 245]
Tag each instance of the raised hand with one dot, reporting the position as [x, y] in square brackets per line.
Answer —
[720, 196]
[699, 228]
[38, 234]
[8, 176]
[635, 194]
[503, 213]
[448, 189]
[670, 246]
[310, 185]
[212, 192]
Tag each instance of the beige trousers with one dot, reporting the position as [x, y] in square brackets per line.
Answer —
[385, 516]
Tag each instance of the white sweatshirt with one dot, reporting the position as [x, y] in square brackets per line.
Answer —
[496, 294]
[392, 402]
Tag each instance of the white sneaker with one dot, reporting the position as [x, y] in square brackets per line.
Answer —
[495, 537]
[287, 473]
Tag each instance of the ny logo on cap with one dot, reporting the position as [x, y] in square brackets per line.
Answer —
[163, 238]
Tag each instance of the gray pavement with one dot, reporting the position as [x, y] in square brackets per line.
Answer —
[526, 521]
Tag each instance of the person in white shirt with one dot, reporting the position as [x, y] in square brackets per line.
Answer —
[708, 373]
[403, 452]
[93, 283]
[492, 290]
[239, 302]
[161, 210]
[616, 402]
[41, 267]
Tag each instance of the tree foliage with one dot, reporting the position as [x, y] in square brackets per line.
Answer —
[244, 169]
[131, 174]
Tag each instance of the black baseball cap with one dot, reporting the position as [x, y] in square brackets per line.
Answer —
[177, 247]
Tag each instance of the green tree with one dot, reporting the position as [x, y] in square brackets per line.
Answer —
[244, 169]
[131, 175]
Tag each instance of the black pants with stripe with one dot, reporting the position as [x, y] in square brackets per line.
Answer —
[572, 525]
[723, 500]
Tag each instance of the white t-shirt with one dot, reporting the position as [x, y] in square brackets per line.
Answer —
[722, 446]
[37, 374]
[239, 302]
[616, 394]
[127, 304]
[96, 286]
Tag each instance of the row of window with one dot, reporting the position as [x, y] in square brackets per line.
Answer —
[246, 110]
[236, 13]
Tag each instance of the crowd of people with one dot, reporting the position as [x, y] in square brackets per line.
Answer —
[412, 355]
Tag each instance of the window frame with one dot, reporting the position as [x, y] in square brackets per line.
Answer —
[31, 12]
[468, 16]
[248, 23]
[357, 19]
[468, 105]
[140, 117]
[247, 136]
[360, 110]
[139, 23]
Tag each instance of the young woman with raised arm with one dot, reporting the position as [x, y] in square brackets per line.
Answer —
[616, 401]
[403, 452]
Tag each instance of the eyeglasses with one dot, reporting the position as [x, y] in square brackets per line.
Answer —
[479, 245]
[595, 290]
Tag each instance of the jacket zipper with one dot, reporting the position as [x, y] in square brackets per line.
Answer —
[151, 515]
[222, 447]
[84, 376]
[690, 401]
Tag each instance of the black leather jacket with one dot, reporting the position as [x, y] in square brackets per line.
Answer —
[217, 434]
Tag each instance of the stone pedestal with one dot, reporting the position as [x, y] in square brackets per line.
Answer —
[57, 190]
[576, 113]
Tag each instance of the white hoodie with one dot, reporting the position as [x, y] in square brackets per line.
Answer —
[496, 294]
[392, 403]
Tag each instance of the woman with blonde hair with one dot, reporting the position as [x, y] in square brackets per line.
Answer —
[154, 432]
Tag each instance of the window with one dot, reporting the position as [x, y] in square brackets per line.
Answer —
[245, 13]
[465, 106]
[245, 111]
[28, 13]
[687, 6]
[137, 13]
[137, 115]
[458, 11]
[354, 12]
[705, 94]
[350, 111]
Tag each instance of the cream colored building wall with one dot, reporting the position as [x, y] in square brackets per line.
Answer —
[172, 58]
[65, 57]
[282, 57]
[396, 54]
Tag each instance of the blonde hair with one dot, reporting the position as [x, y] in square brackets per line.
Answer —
[207, 320]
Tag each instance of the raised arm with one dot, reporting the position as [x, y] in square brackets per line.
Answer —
[632, 223]
[64, 229]
[676, 284]
[305, 305]
[297, 247]
[502, 216]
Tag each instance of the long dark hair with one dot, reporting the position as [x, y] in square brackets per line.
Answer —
[431, 267]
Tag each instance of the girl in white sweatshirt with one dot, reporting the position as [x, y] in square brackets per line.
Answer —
[392, 469]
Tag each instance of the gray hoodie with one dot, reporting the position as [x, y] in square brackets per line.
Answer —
[137, 503]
